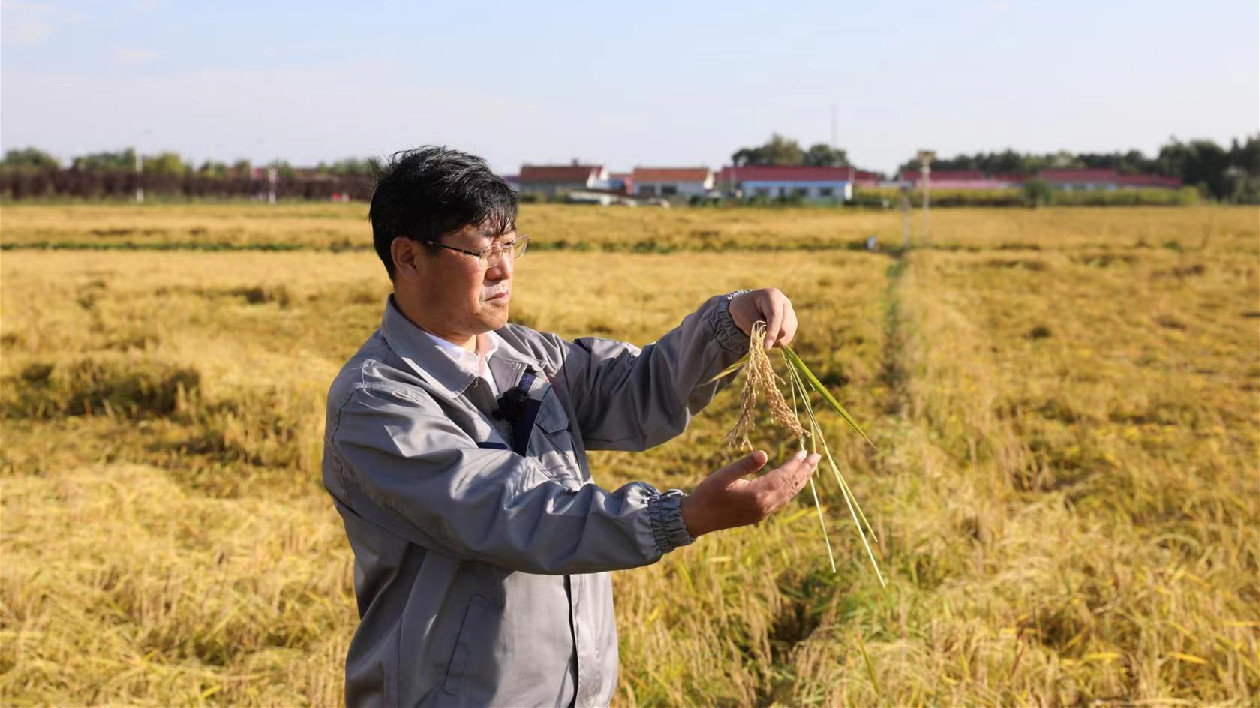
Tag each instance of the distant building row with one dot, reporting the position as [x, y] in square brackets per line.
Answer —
[1071, 179]
[774, 182]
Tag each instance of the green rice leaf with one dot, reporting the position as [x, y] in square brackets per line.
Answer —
[730, 369]
[855, 509]
[797, 363]
[870, 668]
[818, 505]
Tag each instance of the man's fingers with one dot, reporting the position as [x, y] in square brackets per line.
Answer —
[803, 475]
[741, 468]
[774, 320]
[780, 319]
[779, 476]
[785, 481]
[789, 326]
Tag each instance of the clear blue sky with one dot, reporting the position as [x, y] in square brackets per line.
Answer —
[622, 84]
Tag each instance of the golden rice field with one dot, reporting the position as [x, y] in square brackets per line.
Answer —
[1066, 487]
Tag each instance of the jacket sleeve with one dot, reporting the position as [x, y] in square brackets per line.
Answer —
[625, 398]
[420, 477]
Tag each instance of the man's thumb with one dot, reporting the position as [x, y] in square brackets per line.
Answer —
[742, 467]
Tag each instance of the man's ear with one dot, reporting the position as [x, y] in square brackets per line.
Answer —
[404, 252]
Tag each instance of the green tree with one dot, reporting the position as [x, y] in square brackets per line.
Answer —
[106, 161]
[823, 155]
[29, 159]
[165, 163]
[211, 168]
[776, 151]
[1198, 162]
[1246, 157]
[350, 167]
[1036, 192]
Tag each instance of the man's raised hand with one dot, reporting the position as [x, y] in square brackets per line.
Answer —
[770, 306]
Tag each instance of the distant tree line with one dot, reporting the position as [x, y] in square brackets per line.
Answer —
[1230, 175]
[31, 173]
[779, 150]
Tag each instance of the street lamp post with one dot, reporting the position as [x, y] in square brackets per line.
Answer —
[139, 177]
[925, 160]
[904, 207]
[140, 165]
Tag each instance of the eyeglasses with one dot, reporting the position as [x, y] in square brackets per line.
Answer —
[494, 255]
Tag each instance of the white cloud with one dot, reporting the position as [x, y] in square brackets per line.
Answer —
[30, 23]
[124, 55]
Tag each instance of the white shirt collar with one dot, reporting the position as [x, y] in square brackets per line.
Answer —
[469, 361]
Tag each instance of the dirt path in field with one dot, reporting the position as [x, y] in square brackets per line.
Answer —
[800, 613]
[893, 375]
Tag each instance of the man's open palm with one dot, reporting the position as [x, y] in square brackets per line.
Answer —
[725, 499]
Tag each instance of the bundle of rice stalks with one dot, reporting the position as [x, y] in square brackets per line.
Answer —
[760, 380]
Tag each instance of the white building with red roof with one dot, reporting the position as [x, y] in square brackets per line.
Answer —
[668, 182]
[959, 179]
[1147, 182]
[789, 182]
[548, 180]
[1093, 179]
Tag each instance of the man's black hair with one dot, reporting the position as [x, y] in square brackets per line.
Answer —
[425, 193]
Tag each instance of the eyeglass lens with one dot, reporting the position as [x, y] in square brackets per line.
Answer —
[495, 253]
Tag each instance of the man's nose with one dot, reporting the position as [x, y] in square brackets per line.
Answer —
[501, 270]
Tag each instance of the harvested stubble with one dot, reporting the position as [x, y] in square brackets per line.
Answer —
[761, 380]
[1067, 517]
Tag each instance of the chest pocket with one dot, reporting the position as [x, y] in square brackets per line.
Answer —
[551, 443]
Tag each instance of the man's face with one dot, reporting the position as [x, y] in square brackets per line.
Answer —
[457, 296]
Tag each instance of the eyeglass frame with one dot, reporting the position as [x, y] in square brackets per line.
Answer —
[483, 256]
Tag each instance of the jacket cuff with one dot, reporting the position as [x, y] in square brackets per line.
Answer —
[665, 515]
[728, 334]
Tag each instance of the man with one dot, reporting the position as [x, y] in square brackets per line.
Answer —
[456, 454]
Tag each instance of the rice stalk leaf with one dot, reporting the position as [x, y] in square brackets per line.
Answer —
[855, 510]
[799, 365]
[870, 668]
[818, 505]
[816, 434]
[848, 493]
[850, 500]
[730, 369]
[794, 383]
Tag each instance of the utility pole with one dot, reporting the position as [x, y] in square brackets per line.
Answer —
[904, 208]
[925, 160]
[139, 177]
[140, 165]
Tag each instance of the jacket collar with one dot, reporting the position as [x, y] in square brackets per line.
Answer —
[425, 357]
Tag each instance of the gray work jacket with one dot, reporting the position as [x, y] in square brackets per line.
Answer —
[481, 546]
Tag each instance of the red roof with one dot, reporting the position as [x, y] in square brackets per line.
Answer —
[787, 173]
[1158, 181]
[1072, 176]
[558, 174]
[944, 175]
[969, 184]
[671, 174]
